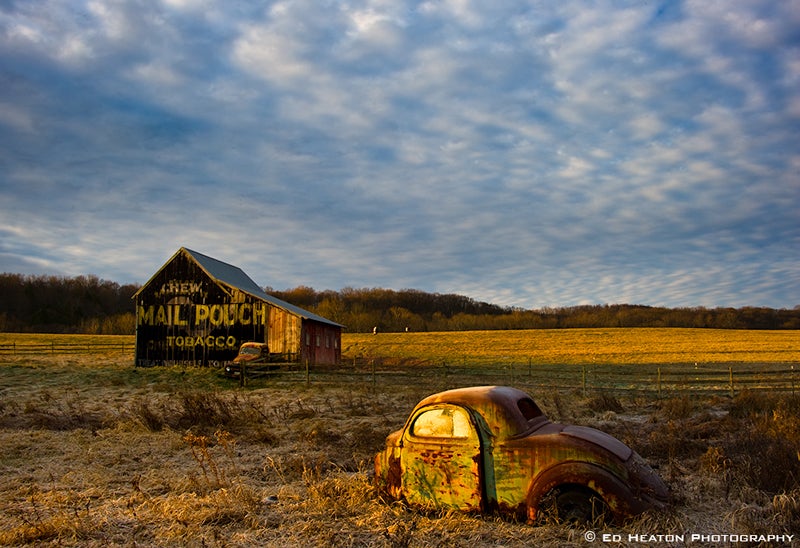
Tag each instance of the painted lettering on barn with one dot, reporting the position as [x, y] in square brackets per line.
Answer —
[198, 314]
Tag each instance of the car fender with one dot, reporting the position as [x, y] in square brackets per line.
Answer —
[614, 492]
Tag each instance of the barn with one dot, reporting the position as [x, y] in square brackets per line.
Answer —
[197, 310]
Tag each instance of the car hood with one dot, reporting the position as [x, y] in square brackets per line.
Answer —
[245, 358]
[606, 441]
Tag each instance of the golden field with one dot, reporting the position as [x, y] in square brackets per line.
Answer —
[583, 346]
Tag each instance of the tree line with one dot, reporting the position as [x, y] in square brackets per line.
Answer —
[362, 310]
[55, 304]
[88, 304]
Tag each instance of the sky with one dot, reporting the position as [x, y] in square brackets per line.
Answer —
[527, 154]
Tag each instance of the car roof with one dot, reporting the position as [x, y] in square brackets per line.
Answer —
[498, 405]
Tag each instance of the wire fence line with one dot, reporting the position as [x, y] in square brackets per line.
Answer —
[652, 379]
[54, 348]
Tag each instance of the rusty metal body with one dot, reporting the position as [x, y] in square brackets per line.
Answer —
[254, 359]
[253, 352]
[491, 448]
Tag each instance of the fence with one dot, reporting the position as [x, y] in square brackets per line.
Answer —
[652, 381]
[53, 348]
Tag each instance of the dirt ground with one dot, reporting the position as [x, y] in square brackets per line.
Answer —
[96, 453]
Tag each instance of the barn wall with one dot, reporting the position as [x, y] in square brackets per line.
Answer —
[283, 335]
[184, 316]
[321, 343]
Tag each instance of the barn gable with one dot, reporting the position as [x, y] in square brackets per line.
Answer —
[198, 310]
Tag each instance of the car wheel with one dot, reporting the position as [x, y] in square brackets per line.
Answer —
[575, 505]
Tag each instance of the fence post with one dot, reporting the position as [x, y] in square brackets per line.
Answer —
[308, 374]
[583, 379]
[730, 376]
[659, 383]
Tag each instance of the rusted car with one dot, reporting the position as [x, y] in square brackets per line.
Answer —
[254, 357]
[491, 448]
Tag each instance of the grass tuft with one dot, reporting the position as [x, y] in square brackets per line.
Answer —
[605, 402]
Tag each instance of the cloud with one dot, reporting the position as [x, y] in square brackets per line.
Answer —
[527, 155]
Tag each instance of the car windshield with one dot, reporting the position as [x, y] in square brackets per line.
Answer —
[442, 423]
[250, 350]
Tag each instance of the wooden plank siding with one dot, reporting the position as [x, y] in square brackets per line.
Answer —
[283, 335]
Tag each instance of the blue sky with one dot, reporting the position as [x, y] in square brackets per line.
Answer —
[526, 154]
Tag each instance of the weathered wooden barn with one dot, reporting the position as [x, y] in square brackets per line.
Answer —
[198, 310]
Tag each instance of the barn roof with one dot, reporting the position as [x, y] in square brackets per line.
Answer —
[234, 277]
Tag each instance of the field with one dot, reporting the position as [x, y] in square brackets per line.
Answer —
[97, 452]
[583, 346]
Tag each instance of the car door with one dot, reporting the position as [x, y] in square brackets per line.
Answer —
[441, 462]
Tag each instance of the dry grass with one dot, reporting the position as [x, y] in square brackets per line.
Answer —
[97, 453]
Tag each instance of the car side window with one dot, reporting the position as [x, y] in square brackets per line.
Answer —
[529, 409]
[448, 422]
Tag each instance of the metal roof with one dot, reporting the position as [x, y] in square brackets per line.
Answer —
[226, 273]
[235, 277]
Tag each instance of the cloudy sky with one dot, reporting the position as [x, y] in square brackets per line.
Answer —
[526, 154]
